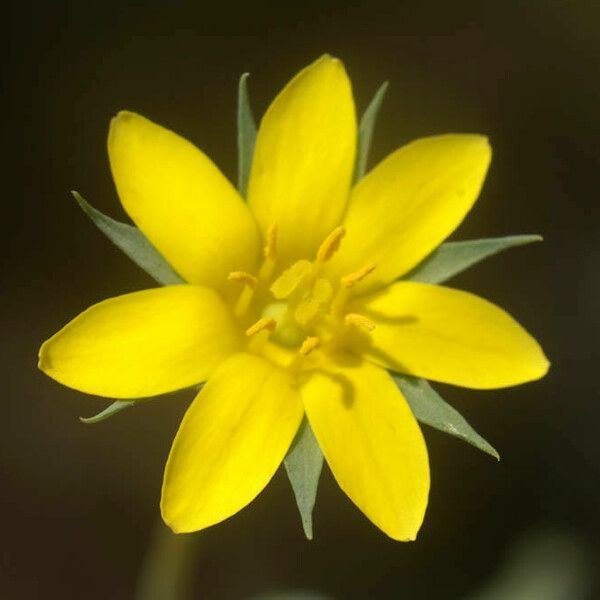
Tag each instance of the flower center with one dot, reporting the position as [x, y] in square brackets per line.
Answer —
[299, 309]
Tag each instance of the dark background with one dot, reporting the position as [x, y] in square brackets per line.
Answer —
[78, 503]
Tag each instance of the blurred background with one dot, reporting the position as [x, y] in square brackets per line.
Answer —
[79, 503]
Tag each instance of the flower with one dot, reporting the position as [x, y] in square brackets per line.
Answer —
[294, 305]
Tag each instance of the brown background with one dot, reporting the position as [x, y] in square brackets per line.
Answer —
[77, 503]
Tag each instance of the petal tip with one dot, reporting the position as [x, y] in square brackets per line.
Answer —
[482, 143]
[327, 61]
[545, 366]
[43, 363]
[479, 141]
[174, 527]
[171, 520]
[123, 117]
[404, 535]
[326, 57]
[486, 146]
[541, 362]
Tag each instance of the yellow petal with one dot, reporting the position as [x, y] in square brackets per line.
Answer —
[181, 201]
[371, 442]
[448, 335]
[142, 344]
[230, 443]
[304, 158]
[409, 204]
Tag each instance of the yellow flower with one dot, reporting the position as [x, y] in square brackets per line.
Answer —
[293, 305]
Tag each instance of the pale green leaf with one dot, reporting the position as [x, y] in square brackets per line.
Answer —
[303, 465]
[365, 131]
[246, 135]
[429, 408]
[116, 407]
[133, 243]
[451, 258]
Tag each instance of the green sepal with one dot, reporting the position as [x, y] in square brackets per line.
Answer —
[429, 408]
[451, 258]
[246, 135]
[303, 464]
[116, 407]
[133, 243]
[365, 131]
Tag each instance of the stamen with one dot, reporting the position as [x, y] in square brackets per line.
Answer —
[271, 247]
[244, 301]
[309, 344]
[290, 279]
[266, 323]
[359, 321]
[348, 281]
[243, 277]
[331, 244]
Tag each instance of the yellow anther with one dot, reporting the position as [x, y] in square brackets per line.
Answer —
[331, 244]
[359, 321]
[348, 281]
[243, 277]
[309, 344]
[266, 323]
[271, 247]
[290, 279]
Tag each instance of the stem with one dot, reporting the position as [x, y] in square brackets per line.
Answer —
[168, 571]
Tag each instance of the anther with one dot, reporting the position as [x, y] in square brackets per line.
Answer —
[348, 281]
[271, 247]
[290, 279]
[309, 344]
[331, 244]
[243, 277]
[359, 321]
[266, 323]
